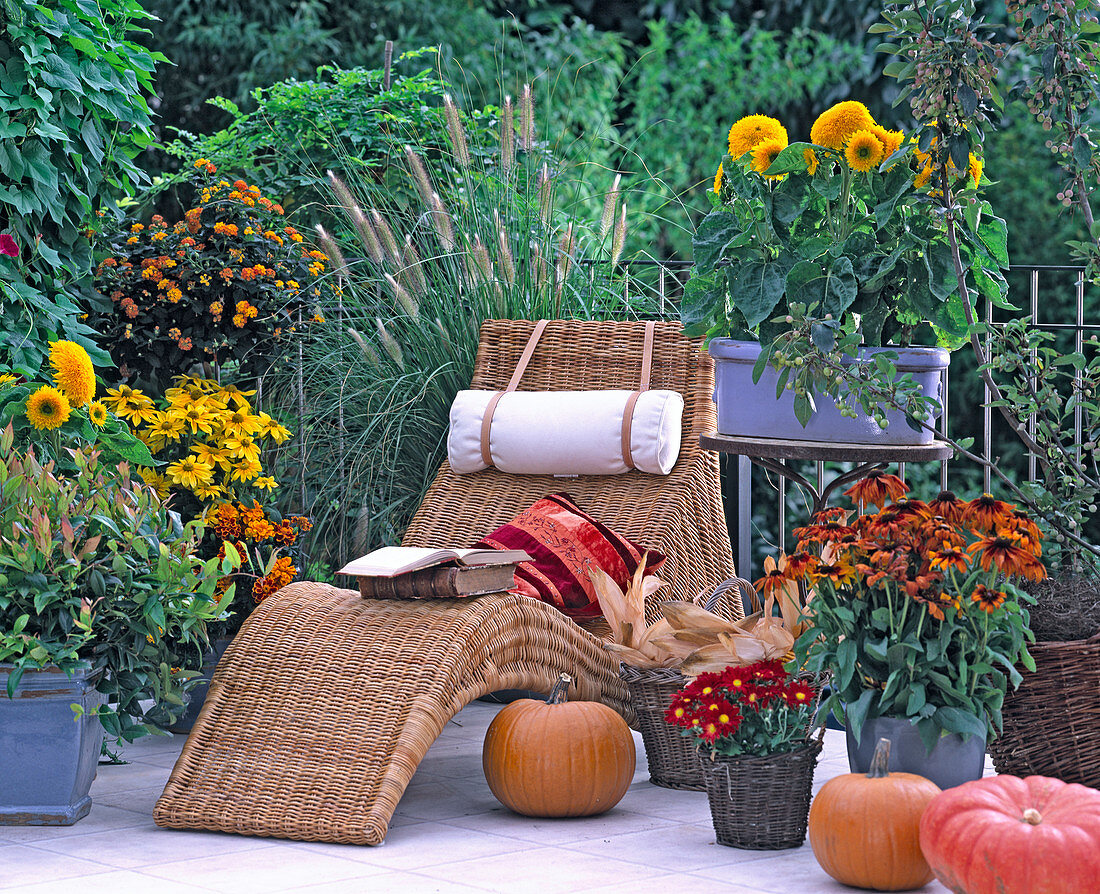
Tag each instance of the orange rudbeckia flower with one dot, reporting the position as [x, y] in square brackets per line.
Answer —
[878, 488]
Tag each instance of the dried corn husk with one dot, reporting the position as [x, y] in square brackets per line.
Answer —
[635, 642]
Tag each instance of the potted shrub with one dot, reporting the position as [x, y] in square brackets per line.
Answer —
[916, 615]
[814, 255]
[752, 726]
[103, 603]
[210, 442]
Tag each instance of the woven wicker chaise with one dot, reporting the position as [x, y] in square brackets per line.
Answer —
[325, 703]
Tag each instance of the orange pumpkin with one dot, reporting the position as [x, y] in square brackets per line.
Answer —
[558, 758]
[865, 830]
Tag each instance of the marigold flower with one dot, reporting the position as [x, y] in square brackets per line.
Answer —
[835, 125]
[752, 130]
[48, 408]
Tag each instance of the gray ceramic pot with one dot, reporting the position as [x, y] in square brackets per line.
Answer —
[48, 758]
[751, 409]
[952, 761]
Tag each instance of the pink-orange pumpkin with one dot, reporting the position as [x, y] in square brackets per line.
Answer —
[1005, 835]
[556, 758]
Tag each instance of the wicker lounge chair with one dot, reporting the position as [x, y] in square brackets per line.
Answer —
[325, 703]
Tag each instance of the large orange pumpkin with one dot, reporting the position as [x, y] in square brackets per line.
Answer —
[1005, 835]
[864, 830]
[557, 758]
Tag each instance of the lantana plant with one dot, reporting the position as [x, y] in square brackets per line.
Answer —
[758, 709]
[231, 281]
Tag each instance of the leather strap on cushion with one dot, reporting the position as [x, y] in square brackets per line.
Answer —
[628, 412]
[521, 366]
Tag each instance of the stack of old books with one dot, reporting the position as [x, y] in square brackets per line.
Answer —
[409, 572]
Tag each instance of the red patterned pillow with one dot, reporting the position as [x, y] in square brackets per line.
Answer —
[565, 543]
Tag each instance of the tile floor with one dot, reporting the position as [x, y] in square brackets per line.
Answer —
[448, 834]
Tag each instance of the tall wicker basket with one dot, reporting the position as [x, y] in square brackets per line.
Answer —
[673, 760]
[1052, 722]
[761, 803]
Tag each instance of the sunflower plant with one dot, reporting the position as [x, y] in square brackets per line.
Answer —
[62, 413]
[817, 247]
[915, 608]
[230, 283]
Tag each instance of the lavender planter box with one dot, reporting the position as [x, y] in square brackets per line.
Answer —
[48, 758]
[751, 409]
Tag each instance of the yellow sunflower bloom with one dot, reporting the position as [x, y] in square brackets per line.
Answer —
[194, 417]
[864, 151]
[974, 169]
[764, 153]
[210, 455]
[271, 429]
[165, 429]
[121, 394]
[97, 413]
[835, 125]
[752, 130]
[236, 395]
[718, 179]
[7, 379]
[158, 482]
[265, 482]
[48, 408]
[72, 371]
[811, 161]
[891, 139]
[190, 472]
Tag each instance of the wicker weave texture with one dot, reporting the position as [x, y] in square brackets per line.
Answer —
[680, 514]
[673, 760]
[320, 711]
[1052, 722]
[325, 703]
[761, 803]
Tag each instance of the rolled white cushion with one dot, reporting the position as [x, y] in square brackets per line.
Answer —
[566, 432]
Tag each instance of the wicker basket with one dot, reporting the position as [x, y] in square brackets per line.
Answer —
[1052, 722]
[673, 760]
[761, 803]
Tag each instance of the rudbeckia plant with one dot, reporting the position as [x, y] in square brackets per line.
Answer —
[915, 608]
[818, 247]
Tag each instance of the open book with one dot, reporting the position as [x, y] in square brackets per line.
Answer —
[391, 561]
